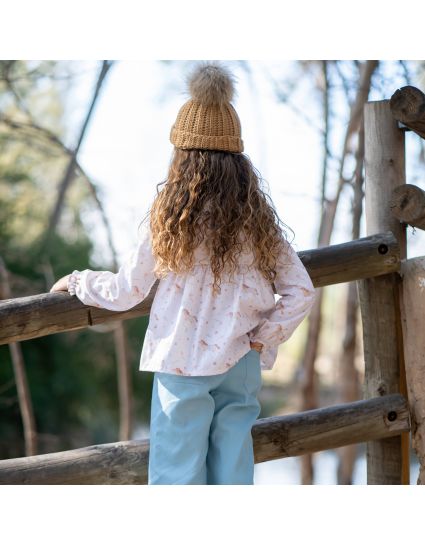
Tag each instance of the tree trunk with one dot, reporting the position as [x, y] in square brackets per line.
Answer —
[124, 383]
[24, 394]
[348, 382]
[348, 376]
[308, 386]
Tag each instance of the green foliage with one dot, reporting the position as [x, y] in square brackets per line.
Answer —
[72, 376]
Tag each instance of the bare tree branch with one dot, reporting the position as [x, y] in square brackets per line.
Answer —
[51, 137]
[344, 82]
[356, 116]
[406, 72]
[326, 133]
[70, 171]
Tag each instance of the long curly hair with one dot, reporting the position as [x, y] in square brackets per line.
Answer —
[213, 196]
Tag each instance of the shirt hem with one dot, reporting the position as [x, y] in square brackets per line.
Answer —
[218, 370]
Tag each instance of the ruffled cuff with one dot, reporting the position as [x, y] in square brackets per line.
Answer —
[73, 281]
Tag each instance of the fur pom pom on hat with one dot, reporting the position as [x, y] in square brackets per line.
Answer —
[211, 83]
[208, 120]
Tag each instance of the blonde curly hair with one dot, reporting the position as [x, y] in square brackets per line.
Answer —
[213, 196]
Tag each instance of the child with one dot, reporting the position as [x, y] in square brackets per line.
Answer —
[215, 243]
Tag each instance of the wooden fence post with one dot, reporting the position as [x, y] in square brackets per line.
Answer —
[387, 459]
[413, 319]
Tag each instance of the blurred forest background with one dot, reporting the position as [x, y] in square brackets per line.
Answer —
[83, 387]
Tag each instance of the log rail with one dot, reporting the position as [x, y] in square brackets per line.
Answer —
[408, 205]
[276, 437]
[407, 106]
[38, 315]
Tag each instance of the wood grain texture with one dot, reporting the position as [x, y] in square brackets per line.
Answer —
[388, 459]
[38, 315]
[408, 106]
[413, 320]
[408, 205]
[362, 258]
[112, 463]
[273, 438]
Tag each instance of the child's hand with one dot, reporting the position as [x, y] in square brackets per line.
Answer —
[61, 284]
[256, 346]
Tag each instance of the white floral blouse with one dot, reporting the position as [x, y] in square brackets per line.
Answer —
[191, 331]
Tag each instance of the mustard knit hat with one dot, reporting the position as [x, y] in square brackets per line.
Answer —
[208, 120]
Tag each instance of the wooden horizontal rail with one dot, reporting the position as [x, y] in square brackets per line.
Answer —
[362, 258]
[277, 437]
[408, 205]
[407, 106]
[38, 315]
[330, 427]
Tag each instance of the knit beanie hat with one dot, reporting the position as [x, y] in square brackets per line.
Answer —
[208, 120]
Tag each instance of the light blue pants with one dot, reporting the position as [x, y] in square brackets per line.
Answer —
[200, 430]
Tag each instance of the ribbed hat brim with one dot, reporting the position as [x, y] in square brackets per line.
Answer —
[187, 140]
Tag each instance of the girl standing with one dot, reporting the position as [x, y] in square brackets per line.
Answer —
[214, 242]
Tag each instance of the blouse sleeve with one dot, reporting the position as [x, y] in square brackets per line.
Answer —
[122, 290]
[297, 292]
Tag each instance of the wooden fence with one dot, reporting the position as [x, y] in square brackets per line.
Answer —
[382, 419]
